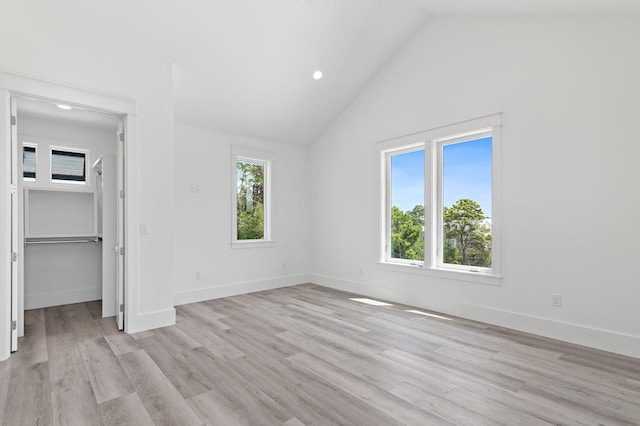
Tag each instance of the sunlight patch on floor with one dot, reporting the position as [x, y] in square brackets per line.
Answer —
[370, 301]
[413, 311]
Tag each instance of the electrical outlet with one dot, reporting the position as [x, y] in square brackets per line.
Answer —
[284, 266]
[197, 276]
[556, 300]
[359, 269]
[194, 188]
[144, 228]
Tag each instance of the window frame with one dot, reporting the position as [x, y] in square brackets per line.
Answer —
[70, 150]
[433, 141]
[438, 148]
[387, 154]
[247, 154]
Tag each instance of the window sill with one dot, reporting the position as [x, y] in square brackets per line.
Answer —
[449, 274]
[252, 244]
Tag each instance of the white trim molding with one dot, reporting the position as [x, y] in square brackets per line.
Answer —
[607, 340]
[234, 289]
[41, 300]
[72, 96]
[5, 222]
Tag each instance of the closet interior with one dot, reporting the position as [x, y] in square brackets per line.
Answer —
[68, 205]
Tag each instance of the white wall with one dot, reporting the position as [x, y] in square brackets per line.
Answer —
[133, 73]
[60, 274]
[203, 220]
[570, 94]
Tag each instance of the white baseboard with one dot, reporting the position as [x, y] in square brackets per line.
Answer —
[43, 300]
[607, 340]
[234, 289]
[151, 320]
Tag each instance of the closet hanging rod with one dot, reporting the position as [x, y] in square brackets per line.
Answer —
[94, 240]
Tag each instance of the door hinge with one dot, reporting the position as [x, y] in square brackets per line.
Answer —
[121, 251]
[14, 120]
[121, 136]
[122, 193]
[14, 256]
[122, 307]
[14, 189]
[14, 325]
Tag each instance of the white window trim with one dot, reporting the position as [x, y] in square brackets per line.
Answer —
[245, 153]
[436, 147]
[386, 212]
[87, 161]
[432, 141]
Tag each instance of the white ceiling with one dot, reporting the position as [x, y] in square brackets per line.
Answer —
[245, 66]
[251, 73]
[38, 108]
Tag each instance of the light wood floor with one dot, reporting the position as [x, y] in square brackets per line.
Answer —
[306, 355]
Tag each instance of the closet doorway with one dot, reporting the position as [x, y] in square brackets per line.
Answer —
[67, 208]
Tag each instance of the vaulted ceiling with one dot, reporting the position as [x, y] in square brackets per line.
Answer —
[245, 66]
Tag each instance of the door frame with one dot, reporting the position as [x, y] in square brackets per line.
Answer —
[17, 237]
[12, 85]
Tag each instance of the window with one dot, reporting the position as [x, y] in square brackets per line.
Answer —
[251, 198]
[68, 166]
[405, 211]
[439, 192]
[465, 203]
[29, 163]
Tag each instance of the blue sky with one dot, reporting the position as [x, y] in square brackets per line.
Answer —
[467, 174]
[407, 180]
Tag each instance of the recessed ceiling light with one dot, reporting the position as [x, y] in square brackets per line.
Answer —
[64, 106]
[317, 75]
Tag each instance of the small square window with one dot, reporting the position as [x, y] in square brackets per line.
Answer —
[29, 163]
[68, 166]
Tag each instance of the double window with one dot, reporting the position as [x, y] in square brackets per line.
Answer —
[66, 165]
[439, 196]
[251, 201]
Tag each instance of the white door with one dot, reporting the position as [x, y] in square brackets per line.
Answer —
[120, 242]
[14, 226]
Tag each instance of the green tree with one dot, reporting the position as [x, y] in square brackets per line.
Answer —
[467, 239]
[250, 206]
[418, 214]
[407, 235]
